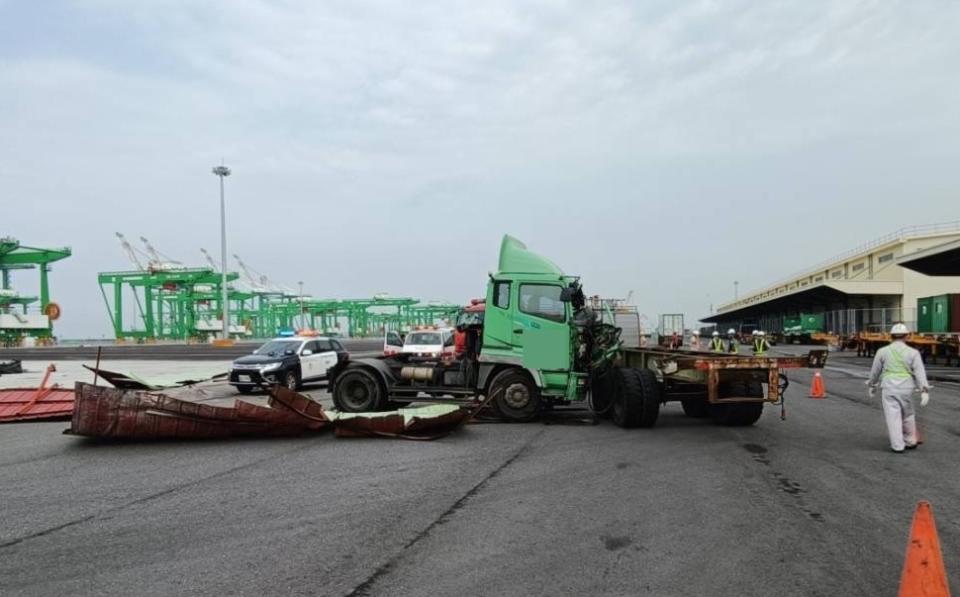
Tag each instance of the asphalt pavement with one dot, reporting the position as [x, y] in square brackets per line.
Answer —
[813, 505]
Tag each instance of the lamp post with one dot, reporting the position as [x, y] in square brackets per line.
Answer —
[222, 171]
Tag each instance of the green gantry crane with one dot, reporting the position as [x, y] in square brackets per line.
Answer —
[20, 317]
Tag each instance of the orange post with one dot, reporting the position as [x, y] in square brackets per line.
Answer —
[923, 572]
[816, 386]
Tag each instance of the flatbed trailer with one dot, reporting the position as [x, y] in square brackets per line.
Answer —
[727, 387]
[931, 346]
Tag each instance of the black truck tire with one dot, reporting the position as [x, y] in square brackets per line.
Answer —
[636, 400]
[739, 414]
[601, 394]
[517, 398]
[359, 391]
[695, 408]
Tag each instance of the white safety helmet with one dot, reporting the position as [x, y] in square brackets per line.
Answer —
[715, 333]
[761, 333]
[899, 329]
[696, 332]
[754, 332]
[731, 332]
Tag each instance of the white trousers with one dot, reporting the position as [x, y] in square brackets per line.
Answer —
[901, 419]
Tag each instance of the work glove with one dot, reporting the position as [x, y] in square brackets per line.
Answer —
[924, 398]
[871, 390]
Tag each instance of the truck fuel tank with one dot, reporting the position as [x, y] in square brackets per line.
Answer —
[418, 373]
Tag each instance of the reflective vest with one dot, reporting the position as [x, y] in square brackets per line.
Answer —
[716, 345]
[896, 367]
[760, 346]
[733, 346]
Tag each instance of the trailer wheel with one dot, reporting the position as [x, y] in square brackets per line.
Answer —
[358, 391]
[695, 408]
[739, 414]
[517, 397]
[602, 388]
[636, 400]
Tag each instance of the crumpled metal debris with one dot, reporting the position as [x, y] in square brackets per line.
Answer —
[132, 414]
[421, 423]
[131, 381]
[34, 404]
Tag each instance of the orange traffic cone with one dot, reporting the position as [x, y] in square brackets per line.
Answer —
[923, 570]
[816, 386]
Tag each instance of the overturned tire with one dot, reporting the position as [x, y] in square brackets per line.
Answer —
[636, 398]
[739, 414]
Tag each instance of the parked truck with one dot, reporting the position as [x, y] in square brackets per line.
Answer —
[541, 345]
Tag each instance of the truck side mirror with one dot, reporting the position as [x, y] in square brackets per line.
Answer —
[567, 294]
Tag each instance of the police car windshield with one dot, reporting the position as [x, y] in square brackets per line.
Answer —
[277, 347]
[422, 338]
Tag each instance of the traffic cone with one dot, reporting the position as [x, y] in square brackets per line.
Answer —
[816, 386]
[923, 570]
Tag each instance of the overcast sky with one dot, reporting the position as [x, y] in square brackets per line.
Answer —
[667, 148]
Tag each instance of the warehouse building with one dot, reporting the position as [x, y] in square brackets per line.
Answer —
[863, 290]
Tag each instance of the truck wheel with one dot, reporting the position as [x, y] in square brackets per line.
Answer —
[601, 394]
[739, 414]
[636, 398]
[291, 380]
[358, 391]
[517, 397]
[695, 408]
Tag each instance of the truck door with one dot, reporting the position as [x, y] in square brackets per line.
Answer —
[540, 327]
[498, 321]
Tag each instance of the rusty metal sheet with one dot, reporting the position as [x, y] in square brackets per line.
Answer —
[132, 414]
[420, 423]
[33, 404]
[130, 381]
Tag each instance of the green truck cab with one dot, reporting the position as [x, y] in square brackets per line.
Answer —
[539, 346]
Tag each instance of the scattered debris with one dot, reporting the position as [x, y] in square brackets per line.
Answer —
[32, 404]
[8, 367]
[130, 381]
[421, 423]
[133, 414]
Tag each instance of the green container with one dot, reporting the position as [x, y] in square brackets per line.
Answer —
[791, 325]
[811, 322]
[925, 315]
[940, 316]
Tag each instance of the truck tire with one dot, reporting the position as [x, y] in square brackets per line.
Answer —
[359, 391]
[601, 394]
[739, 414]
[636, 401]
[517, 397]
[695, 408]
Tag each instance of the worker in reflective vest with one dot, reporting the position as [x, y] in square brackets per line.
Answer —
[732, 345]
[760, 344]
[898, 371]
[716, 343]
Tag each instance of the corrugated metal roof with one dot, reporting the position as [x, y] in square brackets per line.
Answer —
[28, 404]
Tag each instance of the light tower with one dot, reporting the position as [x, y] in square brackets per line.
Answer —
[223, 172]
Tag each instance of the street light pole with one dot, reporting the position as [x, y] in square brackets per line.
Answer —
[222, 171]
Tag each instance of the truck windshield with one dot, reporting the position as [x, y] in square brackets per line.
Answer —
[277, 347]
[423, 338]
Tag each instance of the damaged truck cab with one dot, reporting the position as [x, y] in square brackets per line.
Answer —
[536, 347]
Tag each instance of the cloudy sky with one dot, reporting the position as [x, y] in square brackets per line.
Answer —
[667, 147]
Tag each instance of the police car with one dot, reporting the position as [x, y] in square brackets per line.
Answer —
[289, 361]
[429, 342]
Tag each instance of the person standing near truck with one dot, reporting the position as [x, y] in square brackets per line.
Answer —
[716, 342]
[732, 345]
[898, 370]
[695, 340]
[760, 344]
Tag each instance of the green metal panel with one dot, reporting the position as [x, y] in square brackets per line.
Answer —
[516, 259]
[925, 315]
[811, 322]
[940, 314]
